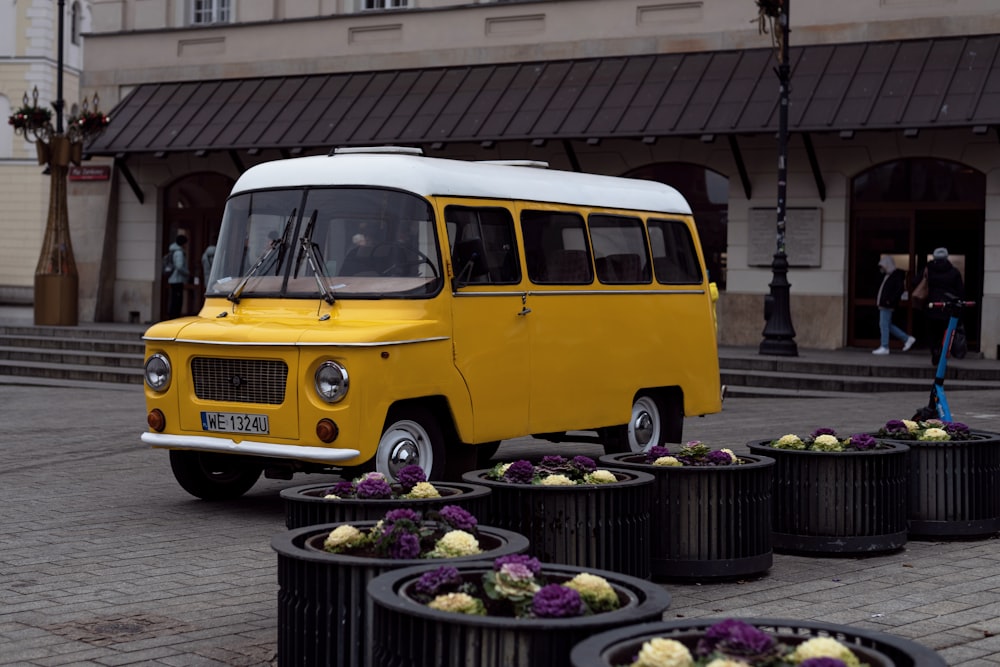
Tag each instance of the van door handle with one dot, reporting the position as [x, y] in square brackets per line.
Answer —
[524, 311]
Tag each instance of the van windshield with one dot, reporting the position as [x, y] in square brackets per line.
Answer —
[330, 243]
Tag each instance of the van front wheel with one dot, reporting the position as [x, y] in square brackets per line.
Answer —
[412, 436]
[213, 476]
[648, 426]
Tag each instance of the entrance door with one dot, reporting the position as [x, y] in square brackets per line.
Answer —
[193, 206]
[906, 209]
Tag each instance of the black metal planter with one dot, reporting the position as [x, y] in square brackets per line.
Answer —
[306, 506]
[617, 647]
[605, 526]
[953, 487]
[409, 634]
[324, 616]
[837, 503]
[708, 521]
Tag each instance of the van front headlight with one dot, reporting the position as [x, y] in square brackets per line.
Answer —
[157, 372]
[331, 381]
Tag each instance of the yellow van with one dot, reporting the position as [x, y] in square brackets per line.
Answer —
[379, 308]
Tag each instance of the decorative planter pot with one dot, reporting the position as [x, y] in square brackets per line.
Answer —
[604, 526]
[877, 649]
[953, 487]
[708, 521]
[306, 506]
[324, 617]
[409, 633]
[837, 502]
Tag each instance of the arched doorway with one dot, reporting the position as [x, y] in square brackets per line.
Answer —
[193, 205]
[907, 208]
[707, 192]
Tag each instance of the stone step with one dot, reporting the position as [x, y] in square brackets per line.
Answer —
[59, 372]
[73, 357]
[111, 331]
[54, 344]
[814, 382]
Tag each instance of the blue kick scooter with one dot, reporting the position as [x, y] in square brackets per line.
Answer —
[937, 407]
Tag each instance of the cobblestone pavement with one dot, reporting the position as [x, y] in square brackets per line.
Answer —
[104, 560]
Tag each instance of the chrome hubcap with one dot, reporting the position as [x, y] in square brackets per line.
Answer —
[404, 453]
[642, 427]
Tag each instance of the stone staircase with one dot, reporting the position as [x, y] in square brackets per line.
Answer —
[94, 355]
[111, 356]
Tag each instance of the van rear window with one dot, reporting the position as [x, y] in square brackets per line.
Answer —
[675, 259]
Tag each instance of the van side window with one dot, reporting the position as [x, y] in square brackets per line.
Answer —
[555, 248]
[620, 253]
[483, 248]
[675, 260]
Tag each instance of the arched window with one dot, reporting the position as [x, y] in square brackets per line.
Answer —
[707, 192]
[75, 23]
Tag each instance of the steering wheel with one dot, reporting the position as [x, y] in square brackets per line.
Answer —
[418, 257]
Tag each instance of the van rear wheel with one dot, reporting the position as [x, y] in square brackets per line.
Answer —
[213, 476]
[654, 421]
[412, 436]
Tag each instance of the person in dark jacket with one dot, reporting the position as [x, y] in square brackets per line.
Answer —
[944, 282]
[890, 292]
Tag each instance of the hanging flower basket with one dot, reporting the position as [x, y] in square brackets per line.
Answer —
[30, 118]
[321, 503]
[604, 525]
[655, 644]
[952, 479]
[324, 616]
[829, 498]
[409, 632]
[708, 521]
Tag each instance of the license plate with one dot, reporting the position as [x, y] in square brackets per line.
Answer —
[234, 422]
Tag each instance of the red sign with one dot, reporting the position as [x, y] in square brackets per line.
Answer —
[90, 173]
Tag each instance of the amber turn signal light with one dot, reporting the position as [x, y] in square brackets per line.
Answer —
[326, 430]
[156, 420]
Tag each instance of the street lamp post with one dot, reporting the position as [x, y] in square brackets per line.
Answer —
[56, 279]
[779, 334]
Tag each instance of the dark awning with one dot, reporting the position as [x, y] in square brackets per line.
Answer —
[911, 84]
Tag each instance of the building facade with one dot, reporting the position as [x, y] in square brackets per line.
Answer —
[29, 63]
[894, 113]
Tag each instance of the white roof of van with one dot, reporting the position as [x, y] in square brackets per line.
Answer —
[428, 176]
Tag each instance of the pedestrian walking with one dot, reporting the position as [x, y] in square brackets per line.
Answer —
[890, 293]
[178, 277]
[944, 283]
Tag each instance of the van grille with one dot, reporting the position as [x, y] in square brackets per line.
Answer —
[239, 380]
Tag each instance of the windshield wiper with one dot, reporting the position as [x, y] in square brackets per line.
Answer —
[276, 245]
[308, 250]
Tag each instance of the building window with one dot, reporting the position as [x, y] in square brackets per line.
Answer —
[384, 4]
[210, 11]
[75, 23]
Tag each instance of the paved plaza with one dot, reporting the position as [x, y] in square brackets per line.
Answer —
[106, 561]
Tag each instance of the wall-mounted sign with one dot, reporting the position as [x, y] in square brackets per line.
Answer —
[803, 236]
[88, 173]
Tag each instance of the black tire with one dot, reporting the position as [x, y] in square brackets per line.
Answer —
[213, 476]
[412, 435]
[656, 420]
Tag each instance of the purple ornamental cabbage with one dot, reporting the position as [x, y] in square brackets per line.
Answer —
[438, 581]
[343, 490]
[738, 639]
[405, 547]
[552, 462]
[823, 431]
[583, 464]
[401, 514]
[823, 662]
[896, 426]
[529, 562]
[555, 601]
[410, 476]
[718, 458]
[374, 488]
[656, 452]
[862, 442]
[957, 430]
[458, 518]
[520, 472]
